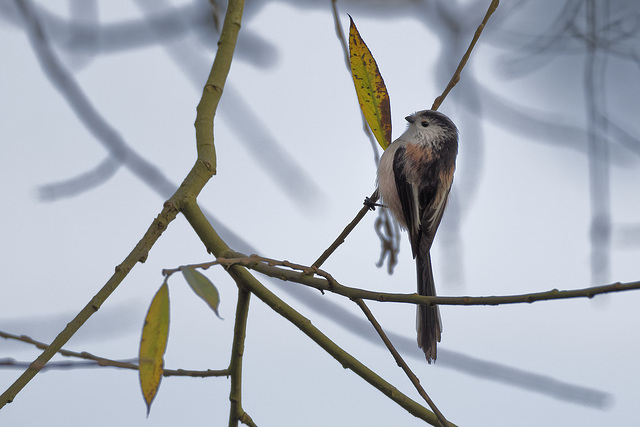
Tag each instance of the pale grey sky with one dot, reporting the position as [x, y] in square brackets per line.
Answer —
[522, 203]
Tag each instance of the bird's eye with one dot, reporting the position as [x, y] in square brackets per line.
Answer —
[424, 123]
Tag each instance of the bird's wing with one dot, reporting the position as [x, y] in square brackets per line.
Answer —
[407, 197]
[422, 207]
[436, 199]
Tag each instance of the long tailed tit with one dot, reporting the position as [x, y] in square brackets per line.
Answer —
[414, 178]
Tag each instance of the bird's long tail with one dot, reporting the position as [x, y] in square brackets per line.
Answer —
[429, 325]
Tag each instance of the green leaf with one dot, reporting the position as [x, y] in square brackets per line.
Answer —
[370, 88]
[203, 288]
[153, 345]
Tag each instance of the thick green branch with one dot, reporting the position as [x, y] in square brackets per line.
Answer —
[212, 91]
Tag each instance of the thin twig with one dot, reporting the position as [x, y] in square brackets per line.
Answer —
[456, 76]
[101, 361]
[401, 363]
[348, 229]
[139, 253]
[383, 218]
[340, 34]
[168, 272]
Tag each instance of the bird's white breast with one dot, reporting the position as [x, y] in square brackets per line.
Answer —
[387, 182]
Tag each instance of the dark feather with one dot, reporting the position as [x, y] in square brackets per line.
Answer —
[428, 324]
[405, 193]
[421, 237]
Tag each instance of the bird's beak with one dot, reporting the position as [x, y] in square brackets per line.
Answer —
[410, 119]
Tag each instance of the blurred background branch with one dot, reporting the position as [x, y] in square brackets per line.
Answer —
[582, 41]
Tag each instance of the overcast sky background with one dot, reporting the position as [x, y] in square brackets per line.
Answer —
[519, 220]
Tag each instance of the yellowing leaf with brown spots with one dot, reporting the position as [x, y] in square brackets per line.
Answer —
[153, 345]
[370, 87]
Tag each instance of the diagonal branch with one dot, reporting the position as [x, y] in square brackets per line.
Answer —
[456, 76]
[385, 222]
[199, 175]
[412, 377]
[138, 254]
[348, 229]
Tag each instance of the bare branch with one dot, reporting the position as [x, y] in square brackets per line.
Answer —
[348, 229]
[236, 413]
[403, 365]
[97, 361]
[456, 76]
[270, 268]
[191, 187]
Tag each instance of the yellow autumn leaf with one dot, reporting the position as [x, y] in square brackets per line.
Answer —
[370, 88]
[153, 345]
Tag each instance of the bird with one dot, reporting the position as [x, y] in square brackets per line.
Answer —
[415, 174]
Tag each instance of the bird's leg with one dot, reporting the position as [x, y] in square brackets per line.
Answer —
[371, 204]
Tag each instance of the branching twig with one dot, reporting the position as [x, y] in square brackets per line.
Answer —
[403, 365]
[244, 279]
[189, 190]
[101, 361]
[138, 254]
[328, 283]
[246, 420]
